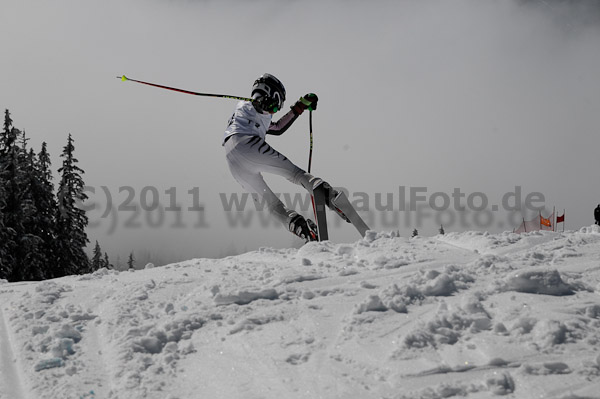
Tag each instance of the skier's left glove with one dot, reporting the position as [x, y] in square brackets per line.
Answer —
[308, 101]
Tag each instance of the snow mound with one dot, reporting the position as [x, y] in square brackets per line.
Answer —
[245, 297]
[547, 282]
[421, 285]
[448, 325]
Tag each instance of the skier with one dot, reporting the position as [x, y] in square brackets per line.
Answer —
[248, 154]
[597, 214]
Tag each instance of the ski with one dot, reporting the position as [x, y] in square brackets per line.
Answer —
[347, 211]
[319, 200]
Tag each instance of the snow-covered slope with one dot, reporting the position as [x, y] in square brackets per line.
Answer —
[466, 314]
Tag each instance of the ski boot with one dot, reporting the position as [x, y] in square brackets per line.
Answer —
[303, 228]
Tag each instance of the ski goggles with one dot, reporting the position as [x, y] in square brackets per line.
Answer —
[272, 100]
[273, 103]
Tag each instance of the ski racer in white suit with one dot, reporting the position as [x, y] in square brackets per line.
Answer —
[248, 154]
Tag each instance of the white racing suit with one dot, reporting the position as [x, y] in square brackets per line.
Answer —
[248, 156]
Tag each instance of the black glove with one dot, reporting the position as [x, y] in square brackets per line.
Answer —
[308, 101]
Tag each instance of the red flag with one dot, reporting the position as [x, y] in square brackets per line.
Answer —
[560, 219]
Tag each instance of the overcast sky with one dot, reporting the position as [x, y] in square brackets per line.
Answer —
[477, 95]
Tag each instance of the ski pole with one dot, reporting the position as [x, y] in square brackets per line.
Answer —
[125, 78]
[311, 140]
[310, 128]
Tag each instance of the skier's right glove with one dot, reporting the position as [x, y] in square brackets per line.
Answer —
[308, 101]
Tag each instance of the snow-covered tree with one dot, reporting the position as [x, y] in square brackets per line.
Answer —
[13, 207]
[106, 262]
[131, 261]
[71, 220]
[31, 256]
[5, 236]
[97, 261]
[45, 202]
[5, 239]
[6, 130]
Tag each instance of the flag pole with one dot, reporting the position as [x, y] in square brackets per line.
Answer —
[554, 221]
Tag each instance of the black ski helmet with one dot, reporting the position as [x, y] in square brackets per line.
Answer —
[268, 93]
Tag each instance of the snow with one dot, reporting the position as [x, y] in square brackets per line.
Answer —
[469, 314]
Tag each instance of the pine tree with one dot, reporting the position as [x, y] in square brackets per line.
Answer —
[71, 221]
[5, 131]
[13, 210]
[415, 233]
[442, 232]
[47, 207]
[106, 263]
[97, 261]
[131, 261]
[5, 236]
[30, 254]
[23, 152]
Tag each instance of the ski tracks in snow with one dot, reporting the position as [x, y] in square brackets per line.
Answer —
[11, 380]
[58, 336]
